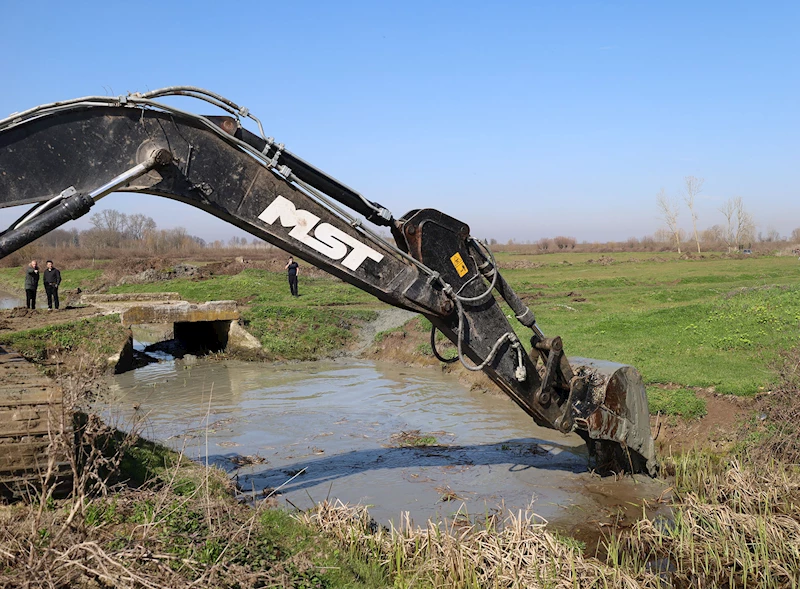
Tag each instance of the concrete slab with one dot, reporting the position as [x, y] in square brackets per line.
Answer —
[181, 312]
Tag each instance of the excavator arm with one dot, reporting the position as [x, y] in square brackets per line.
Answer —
[63, 157]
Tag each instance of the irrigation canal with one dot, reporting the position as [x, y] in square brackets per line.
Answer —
[331, 429]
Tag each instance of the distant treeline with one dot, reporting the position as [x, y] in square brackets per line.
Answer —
[115, 235]
[112, 229]
[712, 239]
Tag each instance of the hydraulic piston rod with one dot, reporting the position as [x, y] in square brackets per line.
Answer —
[69, 206]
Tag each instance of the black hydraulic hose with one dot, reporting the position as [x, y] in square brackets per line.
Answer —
[436, 352]
[523, 313]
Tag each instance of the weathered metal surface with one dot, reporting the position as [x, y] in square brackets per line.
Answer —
[615, 409]
[181, 312]
[30, 410]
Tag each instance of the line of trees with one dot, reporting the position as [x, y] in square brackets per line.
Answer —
[714, 238]
[736, 232]
[113, 230]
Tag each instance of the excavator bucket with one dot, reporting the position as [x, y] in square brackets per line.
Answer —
[614, 418]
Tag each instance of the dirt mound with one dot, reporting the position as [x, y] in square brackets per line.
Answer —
[602, 260]
[275, 262]
[149, 270]
[519, 265]
[169, 273]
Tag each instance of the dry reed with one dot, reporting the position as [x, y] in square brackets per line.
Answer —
[518, 553]
[734, 524]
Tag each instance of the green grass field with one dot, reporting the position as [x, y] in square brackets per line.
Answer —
[13, 279]
[709, 322]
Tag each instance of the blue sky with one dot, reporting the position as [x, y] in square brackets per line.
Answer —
[523, 119]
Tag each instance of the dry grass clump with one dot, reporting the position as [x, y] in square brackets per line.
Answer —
[137, 514]
[736, 518]
[775, 434]
[171, 537]
[519, 553]
[734, 525]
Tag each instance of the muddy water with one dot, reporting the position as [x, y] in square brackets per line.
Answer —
[10, 300]
[325, 429]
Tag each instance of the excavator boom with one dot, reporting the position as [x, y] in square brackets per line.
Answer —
[63, 157]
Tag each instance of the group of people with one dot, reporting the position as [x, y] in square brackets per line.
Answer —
[52, 280]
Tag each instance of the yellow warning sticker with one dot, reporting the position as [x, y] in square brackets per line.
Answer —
[459, 264]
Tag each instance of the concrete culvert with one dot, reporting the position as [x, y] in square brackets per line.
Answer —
[200, 337]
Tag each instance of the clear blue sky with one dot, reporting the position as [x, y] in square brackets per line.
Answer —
[523, 119]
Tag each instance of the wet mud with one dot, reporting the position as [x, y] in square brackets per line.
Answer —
[305, 432]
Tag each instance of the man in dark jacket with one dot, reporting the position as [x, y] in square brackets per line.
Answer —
[31, 284]
[291, 267]
[52, 278]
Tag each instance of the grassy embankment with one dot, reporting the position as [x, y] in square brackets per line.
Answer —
[167, 523]
[734, 522]
[66, 345]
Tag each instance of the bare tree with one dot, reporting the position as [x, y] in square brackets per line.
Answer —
[796, 235]
[692, 186]
[137, 225]
[713, 236]
[563, 242]
[739, 224]
[669, 214]
[662, 235]
[772, 235]
[109, 220]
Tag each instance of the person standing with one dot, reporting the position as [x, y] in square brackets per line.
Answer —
[52, 278]
[291, 268]
[31, 284]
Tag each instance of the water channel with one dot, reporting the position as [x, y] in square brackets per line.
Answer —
[329, 429]
[10, 300]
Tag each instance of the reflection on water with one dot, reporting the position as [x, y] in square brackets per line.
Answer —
[146, 334]
[334, 421]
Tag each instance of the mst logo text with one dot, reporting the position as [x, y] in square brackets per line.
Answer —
[327, 240]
